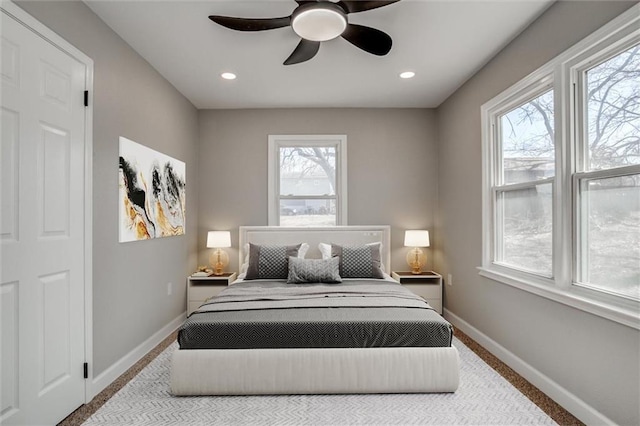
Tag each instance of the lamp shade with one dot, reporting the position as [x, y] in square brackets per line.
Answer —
[416, 238]
[219, 239]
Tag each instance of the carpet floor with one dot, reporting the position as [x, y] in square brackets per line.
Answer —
[483, 398]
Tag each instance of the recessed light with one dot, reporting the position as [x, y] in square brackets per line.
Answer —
[228, 76]
[407, 74]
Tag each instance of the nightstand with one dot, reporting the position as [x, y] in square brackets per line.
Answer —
[200, 289]
[427, 285]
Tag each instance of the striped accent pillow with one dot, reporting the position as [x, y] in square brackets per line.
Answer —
[314, 270]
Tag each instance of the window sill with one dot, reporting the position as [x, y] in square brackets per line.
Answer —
[624, 312]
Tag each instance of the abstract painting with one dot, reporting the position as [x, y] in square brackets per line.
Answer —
[152, 193]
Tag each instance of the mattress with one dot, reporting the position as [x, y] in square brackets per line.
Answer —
[353, 314]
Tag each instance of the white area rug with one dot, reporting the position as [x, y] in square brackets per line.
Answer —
[483, 398]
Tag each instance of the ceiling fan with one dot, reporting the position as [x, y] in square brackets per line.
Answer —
[316, 21]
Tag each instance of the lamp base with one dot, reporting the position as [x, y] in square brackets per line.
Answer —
[218, 269]
[218, 260]
[416, 259]
[416, 271]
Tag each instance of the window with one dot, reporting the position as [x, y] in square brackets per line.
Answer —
[523, 187]
[607, 182]
[561, 177]
[307, 180]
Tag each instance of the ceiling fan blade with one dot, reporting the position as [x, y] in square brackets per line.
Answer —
[304, 51]
[355, 6]
[301, 2]
[368, 39]
[251, 24]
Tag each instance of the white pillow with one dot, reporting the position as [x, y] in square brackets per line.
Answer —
[325, 250]
[304, 247]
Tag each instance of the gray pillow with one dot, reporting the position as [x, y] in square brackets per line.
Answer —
[270, 262]
[358, 261]
[314, 270]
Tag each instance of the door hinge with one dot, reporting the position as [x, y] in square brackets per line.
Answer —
[86, 98]
[86, 370]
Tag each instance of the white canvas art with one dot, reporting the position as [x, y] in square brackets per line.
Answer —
[152, 193]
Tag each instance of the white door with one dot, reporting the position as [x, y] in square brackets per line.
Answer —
[42, 228]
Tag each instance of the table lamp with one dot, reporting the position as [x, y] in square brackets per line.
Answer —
[219, 258]
[416, 257]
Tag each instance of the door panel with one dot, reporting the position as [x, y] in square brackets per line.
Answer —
[10, 63]
[42, 229]
[52, 175]
[9, 121]
[55, 85]
[9, 353]
[54, 357]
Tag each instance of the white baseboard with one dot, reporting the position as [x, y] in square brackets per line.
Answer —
[104, 379]
[583, 411]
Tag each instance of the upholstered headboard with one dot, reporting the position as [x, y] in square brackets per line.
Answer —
[343, 235]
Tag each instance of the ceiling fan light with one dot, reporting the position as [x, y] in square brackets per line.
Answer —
[319, 23]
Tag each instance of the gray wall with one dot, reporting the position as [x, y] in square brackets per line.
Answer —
[595, 359]
[130, 99]
[409, 168]
[392, 168]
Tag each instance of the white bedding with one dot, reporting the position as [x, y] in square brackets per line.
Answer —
[314, 371]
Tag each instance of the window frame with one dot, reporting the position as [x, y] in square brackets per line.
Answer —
[275, 142]
[519, 98]
[563, 73]
[582, 172]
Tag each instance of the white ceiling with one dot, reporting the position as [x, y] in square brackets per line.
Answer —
[443, 42]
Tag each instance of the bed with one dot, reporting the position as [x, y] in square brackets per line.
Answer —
[270, 336]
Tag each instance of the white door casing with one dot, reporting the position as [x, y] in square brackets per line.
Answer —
[45, 250]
